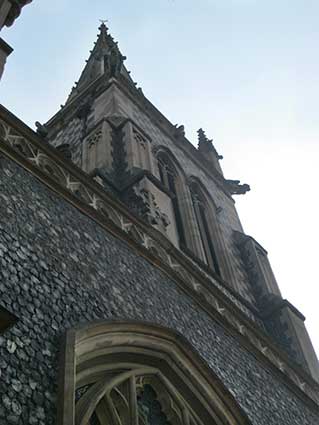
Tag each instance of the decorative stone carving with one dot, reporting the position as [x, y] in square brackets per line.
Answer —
[138, 405]
[135, 202]
[92, 150]
[96, 151]
[94, 138]
[179, 132]
[154, 215]
[208, 151]
[113, 62]
[41, 129]
[116, 120]
[205, 145]
[236, 188]
[141, 151]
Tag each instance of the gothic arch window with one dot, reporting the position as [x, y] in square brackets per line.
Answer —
[171, 179]
[205, 219]
[132, 373]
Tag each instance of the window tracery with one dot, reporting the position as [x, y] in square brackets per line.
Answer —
[131, 373]
[132, 396]
[142, 150]
[92, 146]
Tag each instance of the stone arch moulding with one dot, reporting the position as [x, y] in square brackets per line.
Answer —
[107, 366]
[196, 180]
[215, 232]
[184, 201]
[163, 150]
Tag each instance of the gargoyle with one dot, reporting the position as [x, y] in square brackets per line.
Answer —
[179, 131]
[41, 129]
[236, 188]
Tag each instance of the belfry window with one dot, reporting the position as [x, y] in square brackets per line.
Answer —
[201, 212]
[169, 176]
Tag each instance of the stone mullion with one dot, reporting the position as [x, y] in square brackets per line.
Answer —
[116, 420]
[227, 268]
[133, 401]
[207, 258]
[150, 158]
[130, 144]
[103, 413]
[225, 263]
[186, 417]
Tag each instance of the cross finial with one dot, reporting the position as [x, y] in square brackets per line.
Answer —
[103, 28]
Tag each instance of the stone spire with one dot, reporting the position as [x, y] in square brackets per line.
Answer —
[105, 59]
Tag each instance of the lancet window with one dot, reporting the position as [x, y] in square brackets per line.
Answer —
[169, 177]
[204, 222]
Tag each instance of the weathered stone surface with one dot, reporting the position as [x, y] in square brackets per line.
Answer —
[60, 269]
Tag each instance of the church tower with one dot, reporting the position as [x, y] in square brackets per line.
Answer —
[133, 294]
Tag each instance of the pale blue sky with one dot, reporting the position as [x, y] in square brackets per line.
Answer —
[247, 71]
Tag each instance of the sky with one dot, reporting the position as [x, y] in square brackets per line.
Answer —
[247, 71]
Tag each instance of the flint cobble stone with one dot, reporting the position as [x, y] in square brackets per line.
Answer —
[60, 269]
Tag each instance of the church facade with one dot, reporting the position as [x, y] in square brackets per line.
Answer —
[129, 292]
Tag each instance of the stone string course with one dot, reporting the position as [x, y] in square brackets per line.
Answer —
[59, 268]
[40, 159]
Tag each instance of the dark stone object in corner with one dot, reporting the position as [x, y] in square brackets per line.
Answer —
[7, 319]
